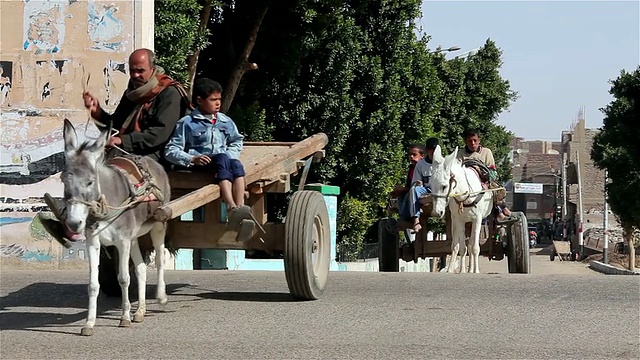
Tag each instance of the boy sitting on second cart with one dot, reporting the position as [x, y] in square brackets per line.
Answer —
[208, 140]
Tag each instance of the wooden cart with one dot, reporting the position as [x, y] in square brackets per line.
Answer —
[496, 242]
[303, 239]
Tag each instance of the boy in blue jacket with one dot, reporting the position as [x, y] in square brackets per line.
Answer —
[208, 140]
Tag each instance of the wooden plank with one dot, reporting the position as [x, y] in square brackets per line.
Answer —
[207, 235]
[270, 166]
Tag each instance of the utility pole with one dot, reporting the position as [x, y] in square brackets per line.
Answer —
[580, 230]
[605, 247]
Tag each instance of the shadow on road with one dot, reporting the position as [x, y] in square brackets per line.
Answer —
[246, 296]
[55, 296]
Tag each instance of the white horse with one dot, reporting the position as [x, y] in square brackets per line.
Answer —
[460, 188]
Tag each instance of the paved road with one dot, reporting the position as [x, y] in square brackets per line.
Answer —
[249, 315]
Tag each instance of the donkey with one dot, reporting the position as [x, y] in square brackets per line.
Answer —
[460, 188]
[108, 208]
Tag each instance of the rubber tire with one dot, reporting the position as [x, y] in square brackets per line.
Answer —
[307, 215]
[388, 246]
[518, 252]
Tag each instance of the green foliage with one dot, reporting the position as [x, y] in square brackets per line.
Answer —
[616, 149]
[177, 35]
[251, 122]
[357, 71]
[354, 219]
[473, 96]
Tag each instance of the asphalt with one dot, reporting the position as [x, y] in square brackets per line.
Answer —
[249, 315]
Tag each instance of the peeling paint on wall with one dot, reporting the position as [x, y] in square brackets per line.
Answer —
[111, 70]
[44, 27]
[105, 29]
[43, 70]
[6, 77]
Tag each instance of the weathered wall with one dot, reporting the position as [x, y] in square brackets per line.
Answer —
[49, 52]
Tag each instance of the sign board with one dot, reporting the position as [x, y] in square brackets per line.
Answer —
[527, 188]
[532, 205]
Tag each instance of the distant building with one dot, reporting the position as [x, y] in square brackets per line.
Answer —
[537, 163]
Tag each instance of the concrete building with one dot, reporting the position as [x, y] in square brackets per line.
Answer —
[576, 150]
[51, 51]
[537, 163]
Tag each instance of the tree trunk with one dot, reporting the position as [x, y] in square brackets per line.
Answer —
[628, 233]
[242, 65]
[192, 60]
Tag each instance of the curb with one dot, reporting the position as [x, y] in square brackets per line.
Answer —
[609, 269]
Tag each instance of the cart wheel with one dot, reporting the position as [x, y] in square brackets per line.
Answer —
[552, 256]
[307, 249]
[518, 257]
[388, 246]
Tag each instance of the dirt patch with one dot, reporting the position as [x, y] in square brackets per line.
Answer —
[618, 260]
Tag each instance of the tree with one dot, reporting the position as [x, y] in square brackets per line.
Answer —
[473, 96]
[178, 36]
[616, 150]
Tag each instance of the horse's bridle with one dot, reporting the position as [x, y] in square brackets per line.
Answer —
[452, 184]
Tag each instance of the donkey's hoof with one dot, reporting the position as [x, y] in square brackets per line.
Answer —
[138, 318]
[86, 331]
[125, 323]
[163, 301]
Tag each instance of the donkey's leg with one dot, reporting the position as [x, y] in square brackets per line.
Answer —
[158, 233]
[141, 274]
[124, 251]
[93, 253]
[474, 245]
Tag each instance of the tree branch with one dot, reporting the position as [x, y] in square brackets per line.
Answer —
[192, 60]
[242, 65]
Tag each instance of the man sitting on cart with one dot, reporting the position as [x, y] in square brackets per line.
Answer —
[474, 151]
[208, 140]
[144, 118]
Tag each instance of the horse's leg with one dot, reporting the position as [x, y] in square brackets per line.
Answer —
[93, 253]
[141, 274]
[457, 234]
[474, 244]
[464, 243]
[124, 251]
[158, 233]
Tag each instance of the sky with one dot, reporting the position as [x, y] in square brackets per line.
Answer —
[558, 55]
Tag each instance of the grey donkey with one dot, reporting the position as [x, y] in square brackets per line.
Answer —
[103, 205]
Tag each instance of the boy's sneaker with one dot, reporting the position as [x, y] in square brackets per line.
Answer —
[245, 230]
[236, 215]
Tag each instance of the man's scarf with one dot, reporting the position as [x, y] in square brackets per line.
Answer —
[144, 95]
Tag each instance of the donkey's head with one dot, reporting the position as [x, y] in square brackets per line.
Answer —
[440, 181]
[80, 177]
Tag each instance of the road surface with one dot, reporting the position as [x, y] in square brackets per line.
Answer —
[249, 315]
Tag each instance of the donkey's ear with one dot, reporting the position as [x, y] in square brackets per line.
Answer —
[70, 136]
[102, 139]
[437, 155]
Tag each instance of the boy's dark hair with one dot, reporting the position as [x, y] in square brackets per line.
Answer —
[431, 143]
[420, 148]
[469, 133]
[204, 87]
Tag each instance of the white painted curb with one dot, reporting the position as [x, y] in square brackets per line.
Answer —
[610, 270]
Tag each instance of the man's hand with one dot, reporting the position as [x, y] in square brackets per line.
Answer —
[91, 103]
[201, 160]
[114, 141]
